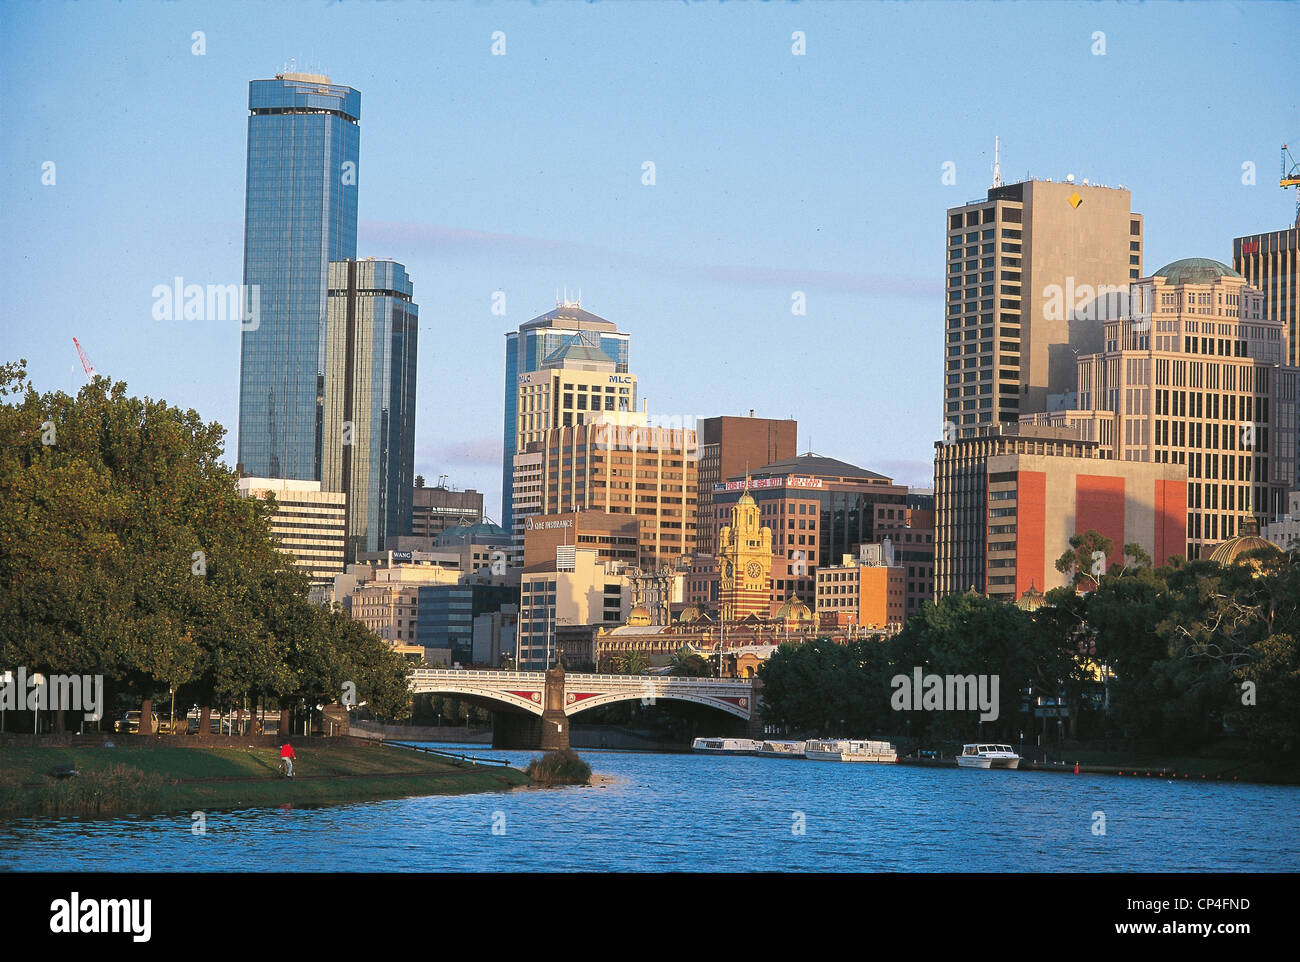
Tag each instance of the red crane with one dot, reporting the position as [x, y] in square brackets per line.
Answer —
[85, 362]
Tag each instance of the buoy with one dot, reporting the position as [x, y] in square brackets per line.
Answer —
[1076, 768]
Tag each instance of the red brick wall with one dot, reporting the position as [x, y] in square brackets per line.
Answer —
[1031, 528]
[1171, 520]
[1099, 505]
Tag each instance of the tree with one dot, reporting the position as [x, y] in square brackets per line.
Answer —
[1085, 561]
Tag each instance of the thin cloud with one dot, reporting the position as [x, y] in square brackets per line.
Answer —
[440, 240]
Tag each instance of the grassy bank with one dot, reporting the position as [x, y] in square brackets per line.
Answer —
[114, 781]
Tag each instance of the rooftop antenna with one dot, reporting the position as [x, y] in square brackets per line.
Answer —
[997, 170]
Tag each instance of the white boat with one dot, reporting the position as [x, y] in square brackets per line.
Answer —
[724, 746]
[781, 749]
[988, 756]
[849, 750]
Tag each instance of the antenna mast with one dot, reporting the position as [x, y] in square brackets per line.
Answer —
[997, 170]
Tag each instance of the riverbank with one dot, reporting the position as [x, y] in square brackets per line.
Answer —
[128, 780]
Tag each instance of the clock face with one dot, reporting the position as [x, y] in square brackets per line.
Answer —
[754, 569]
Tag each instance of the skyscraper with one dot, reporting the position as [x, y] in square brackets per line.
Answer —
[368, 399]
[300, 214]
[527, 349]
[1271, 263]
[1032, 270]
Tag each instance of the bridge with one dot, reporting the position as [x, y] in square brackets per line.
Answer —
[555, 697]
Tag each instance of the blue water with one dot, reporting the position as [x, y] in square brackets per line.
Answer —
[708, 813]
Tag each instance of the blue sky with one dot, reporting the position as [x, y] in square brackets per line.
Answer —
[775, 173]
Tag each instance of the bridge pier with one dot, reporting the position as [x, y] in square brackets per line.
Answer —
[555, 724]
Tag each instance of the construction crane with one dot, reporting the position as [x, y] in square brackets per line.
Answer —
[1291, 178]
[85, 362]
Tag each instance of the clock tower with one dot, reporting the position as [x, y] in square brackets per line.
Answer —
[744, 564]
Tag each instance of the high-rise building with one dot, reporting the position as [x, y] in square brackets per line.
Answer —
[300, 213]
[1032, 269]
[368, 399]
[575, 588]
[1270, 262]
[961, 499]
[526, 350]
[732, 446]
[622, 467]
[308, 523]
[1195, 375]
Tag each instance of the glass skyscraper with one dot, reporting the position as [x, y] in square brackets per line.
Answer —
[527, 348]
[368, 399]
[300, 214]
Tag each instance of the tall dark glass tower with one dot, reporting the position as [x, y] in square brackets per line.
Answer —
[300, 213]
[368, 410]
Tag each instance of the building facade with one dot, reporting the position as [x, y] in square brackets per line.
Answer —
[575, 590]
[744, 563]
[368, 398]
[858, 594]
[527, 348]
[1032, 268]
[434, 510]
[300, 213]
[620, 467]
[308, 523]
[961, 512]
[731, 447]
[1270, 262]
[1196, 376]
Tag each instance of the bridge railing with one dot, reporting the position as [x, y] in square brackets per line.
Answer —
[479, 674]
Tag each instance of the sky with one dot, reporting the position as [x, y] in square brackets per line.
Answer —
[523, 172]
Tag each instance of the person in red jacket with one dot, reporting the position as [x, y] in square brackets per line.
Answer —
[287, 756]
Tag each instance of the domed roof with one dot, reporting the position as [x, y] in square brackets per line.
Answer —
[640, 615]
[1248, 539]
[692, 612]
[1031, 600]
[793, 610]
[1195, 270]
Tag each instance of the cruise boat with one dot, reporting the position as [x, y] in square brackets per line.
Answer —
[781, 749]
[988, 756]
[849, 750]
[724, 746]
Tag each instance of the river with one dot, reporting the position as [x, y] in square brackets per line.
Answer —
[708, 813]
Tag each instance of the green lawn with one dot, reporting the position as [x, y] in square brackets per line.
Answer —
[120, 780]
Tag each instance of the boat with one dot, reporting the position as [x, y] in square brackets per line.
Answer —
[724, 746]
[781, 749]
[849, 750]
[988, 756]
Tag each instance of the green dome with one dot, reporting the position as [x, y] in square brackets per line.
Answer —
[1195, 270]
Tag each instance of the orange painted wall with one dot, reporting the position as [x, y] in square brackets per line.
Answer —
[1171, 520]
[1031, 527]
[1099, 505]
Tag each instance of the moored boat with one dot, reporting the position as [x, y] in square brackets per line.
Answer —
[850, 750]
[724, 746]
[976, 755]
[781, 749]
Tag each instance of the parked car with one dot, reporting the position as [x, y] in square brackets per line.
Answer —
[130, 723]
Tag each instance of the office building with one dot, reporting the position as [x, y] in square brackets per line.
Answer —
[300, 213]
[528, 348]
[434, 510]
[1196, 376]
[574, 589]
[1269, 263]
[732, 446]
[621, 467]
[446, 615]
[865, 593]
[1032, 269]
[961, 512]
[368, 399]
[308, 523]
[818, 508]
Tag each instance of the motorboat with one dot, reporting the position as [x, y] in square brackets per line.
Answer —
[724, 746]
[849, 750]
[781, 749]
[988, 756]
